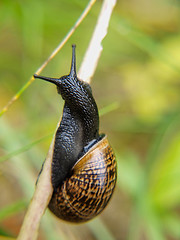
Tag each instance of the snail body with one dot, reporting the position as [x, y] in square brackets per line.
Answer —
[83, 165]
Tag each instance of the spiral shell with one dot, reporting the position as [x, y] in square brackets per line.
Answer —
[86, 192]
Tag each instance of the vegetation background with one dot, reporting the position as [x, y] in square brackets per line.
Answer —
[136, 85]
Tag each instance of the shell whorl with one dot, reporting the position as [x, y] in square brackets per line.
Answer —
[86, 192]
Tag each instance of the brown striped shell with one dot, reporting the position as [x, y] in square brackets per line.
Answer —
[87, 191]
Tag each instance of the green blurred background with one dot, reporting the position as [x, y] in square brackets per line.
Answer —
[136, 85]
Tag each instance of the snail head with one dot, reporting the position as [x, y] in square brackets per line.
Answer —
[72, 74]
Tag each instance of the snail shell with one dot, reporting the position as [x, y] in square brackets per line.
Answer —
[87, 191]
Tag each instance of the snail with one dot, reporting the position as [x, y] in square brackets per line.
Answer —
[83, 165]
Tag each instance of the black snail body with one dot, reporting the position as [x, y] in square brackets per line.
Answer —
[83, 164]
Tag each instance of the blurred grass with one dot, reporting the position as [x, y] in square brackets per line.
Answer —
[12, 209]
[138, 73]
[24, 148]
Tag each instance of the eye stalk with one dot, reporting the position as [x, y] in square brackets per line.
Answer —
[52, 80]
[73, 62]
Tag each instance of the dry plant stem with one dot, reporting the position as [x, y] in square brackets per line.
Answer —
[61, 44]
[41, 198]
[43, 192]
[93, 52]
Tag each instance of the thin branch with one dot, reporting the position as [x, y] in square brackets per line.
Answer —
[39, 70]
[43, 192]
